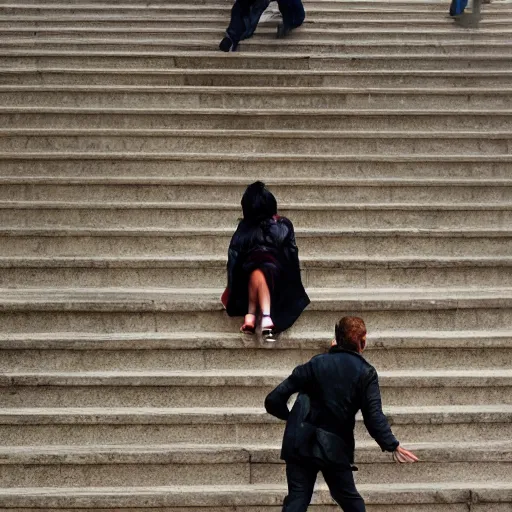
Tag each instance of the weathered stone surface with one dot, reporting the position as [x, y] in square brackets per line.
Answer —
[126, 143]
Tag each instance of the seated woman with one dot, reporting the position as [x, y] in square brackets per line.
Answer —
[263, 267]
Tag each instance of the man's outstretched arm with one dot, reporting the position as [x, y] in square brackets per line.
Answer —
[374, 419]
[377, 423]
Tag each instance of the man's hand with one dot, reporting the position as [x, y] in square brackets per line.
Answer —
[401, 455]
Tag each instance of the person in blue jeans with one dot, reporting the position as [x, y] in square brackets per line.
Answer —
[246, 14]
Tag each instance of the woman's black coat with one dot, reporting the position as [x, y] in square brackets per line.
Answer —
[275, 237]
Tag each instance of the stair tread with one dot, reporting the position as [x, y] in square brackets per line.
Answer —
[135, 32]
[260, 90]
[201, 261]
[256, 157]
[185, 453]
[220, 181]
[398, 415]
[324, 293]
[303, 232]
[186, 340]
[362, 206]
[309, 112]
[409, 379]
[262, 494]
[247, 55]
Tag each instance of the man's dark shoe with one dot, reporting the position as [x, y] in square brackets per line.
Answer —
[227, 45]
[283, 30]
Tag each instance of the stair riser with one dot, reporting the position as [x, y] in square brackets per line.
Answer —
[197, 360]
[313, 99]
[226, 4]
[144, 11]
[350, 20]
[253, 169]
[310, 321]
[436, 145]
[413, 276]
[388, 474]
[124, 475]
[139, 475]
[429, 507]
[40, 435]
[226, 396]
[220, 60]
[318, 246]
[311, 193]
[268, 45]
[193, 218]
[302, 36]
[397, 122]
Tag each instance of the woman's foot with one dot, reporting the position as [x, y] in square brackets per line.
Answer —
[268, 331]
[249, 325]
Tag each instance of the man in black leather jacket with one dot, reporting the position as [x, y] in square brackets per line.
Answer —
[319, 434]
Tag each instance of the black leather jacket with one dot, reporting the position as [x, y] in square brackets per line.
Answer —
[338, 385]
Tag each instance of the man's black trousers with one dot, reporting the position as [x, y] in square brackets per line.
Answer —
[246, 14]
[301, 481]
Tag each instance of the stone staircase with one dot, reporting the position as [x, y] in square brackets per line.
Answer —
[126, 141]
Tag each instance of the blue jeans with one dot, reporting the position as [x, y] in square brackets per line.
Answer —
[246, 14]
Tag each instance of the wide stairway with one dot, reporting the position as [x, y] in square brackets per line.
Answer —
[126, 142]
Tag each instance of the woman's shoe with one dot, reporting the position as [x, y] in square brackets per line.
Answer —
[249, 325]
[268, 331]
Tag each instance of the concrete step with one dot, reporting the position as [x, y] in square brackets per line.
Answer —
[351, 18]
[446, 497]
[307, 33]
[135, 214]
[203, 5]
[248, 77]
[151, 10]
[190, 97]
[196, 310]
[185, 9]
[329, 243]
[270, 44]
[236, 388]
[256, 141]
[159, 465]
[388, 350]
[200, 271]
[314, 193]
[114, 426]
[256, 166]
[455, 60]
[258, 119]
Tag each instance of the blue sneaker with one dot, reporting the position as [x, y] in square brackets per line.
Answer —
[457, 7]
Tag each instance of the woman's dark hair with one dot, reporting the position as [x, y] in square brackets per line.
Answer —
[258, 203]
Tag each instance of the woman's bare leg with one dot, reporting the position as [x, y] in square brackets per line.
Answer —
[258, 291]
[250, 318]
[253, 294]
